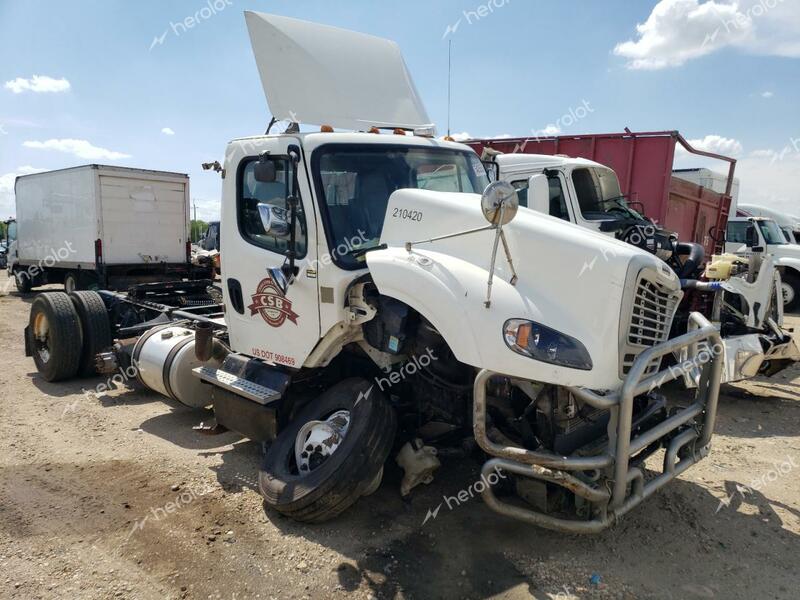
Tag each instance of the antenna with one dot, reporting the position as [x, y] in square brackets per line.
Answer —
[449, 73]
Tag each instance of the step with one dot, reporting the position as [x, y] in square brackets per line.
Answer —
[237, 385]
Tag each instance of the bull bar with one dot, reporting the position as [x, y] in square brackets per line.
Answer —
[626, 484]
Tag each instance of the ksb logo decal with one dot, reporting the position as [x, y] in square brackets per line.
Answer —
[272, 304]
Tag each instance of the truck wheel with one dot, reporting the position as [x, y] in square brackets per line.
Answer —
[791, 292]
[23, 282]
[331, 453]
[96, 328]
[55, 336]
[72, 282]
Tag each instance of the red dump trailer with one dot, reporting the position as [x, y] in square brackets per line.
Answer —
[644, 165]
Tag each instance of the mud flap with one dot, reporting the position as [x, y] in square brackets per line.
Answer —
[28, 345]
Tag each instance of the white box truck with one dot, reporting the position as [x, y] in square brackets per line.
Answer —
[716, 182]
[103, 226]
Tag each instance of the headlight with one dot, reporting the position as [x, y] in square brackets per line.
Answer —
[547, 345]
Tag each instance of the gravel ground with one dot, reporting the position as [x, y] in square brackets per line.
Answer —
[114, 496]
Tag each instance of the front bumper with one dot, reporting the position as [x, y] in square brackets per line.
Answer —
[618, 485]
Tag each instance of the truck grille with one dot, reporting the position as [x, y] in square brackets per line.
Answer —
[651, 314]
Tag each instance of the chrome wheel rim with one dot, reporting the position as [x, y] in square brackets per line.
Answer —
[318, 440]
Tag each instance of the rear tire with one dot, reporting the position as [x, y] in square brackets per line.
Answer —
[792, 302]
[96, 328]
[72, 282]
[55, 334]
[23, 282]
[346, 474]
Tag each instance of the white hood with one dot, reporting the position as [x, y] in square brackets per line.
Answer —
[321, 75]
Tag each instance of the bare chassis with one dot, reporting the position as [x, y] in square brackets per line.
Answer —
[625, 486]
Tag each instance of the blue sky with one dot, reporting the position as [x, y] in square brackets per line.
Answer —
[724, 74]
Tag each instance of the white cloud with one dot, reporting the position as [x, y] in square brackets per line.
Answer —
[681, 30]
[167, 131]
[80, 148]
[38, 84]
[7, 208]
[716, 144]
[550, 130]
[767, 94]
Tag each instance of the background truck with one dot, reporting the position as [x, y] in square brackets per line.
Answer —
[368, 311]
[643, 163]
[789, 224]
[103, 226]
[747, 233]
[745, 303]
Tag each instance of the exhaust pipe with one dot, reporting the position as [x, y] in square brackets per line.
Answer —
[206, 346]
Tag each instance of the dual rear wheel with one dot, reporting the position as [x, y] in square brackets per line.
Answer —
[66, 331]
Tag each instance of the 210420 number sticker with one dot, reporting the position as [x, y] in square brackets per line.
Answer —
[404, 213]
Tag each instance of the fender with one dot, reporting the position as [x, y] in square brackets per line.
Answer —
[788, 262]
[450, 293]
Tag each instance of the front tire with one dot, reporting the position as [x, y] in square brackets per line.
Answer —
[55, 334]
[791, 292]
[332, 480]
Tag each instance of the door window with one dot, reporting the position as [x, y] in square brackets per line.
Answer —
[251, 193]
[737, 232]
[558, 203]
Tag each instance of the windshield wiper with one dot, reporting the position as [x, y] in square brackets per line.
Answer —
[358, 253]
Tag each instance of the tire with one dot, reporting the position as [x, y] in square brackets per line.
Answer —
[72, 282]
[792, 280]
[347, 473]
[96, 328]
[55, 334]
[23, 282]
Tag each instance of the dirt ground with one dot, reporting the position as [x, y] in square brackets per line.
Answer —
[115, 496]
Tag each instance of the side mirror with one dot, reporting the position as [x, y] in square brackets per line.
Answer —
[539, 194]
[264, 170]
[499, 203]
[273, 220]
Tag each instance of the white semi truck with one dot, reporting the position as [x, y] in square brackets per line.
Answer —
[746, 234]
[100, 226]
[380, 296]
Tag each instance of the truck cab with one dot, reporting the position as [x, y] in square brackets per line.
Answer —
[9, 251]
[748, 234]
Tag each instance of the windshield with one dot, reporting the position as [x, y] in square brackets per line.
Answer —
[354, 183]
[771, 232]
[599, 195]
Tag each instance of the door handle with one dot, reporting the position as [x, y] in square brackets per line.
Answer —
[235, 294]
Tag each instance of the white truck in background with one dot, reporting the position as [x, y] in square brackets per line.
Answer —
[712, 180]
[100, 226]
[789, 224]
[747, 235]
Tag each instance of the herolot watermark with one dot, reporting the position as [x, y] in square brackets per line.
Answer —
[413, 365]
[211, 8]
[465, 495]
[473, 16]
[51, 259]
[778, 471]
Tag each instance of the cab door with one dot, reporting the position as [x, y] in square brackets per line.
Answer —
[266, 318]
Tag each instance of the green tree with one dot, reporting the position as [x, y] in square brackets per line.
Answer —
[3, 228]
[197, 229]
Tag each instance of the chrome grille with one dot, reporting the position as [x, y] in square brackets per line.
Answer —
[651, 314]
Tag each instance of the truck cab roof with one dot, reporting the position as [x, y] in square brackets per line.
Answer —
[316, 138]
[537, 162]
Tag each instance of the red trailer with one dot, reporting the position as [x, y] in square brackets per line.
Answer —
[643, 163]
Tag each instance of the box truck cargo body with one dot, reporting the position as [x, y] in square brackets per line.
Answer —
[100, 225]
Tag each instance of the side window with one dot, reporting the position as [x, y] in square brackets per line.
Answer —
[558, 203]
[737, 231]
[12, 231]
[251, 193]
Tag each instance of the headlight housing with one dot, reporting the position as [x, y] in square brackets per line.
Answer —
[542, 343]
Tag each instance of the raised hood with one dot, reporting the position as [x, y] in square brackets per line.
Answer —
[317, 74]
